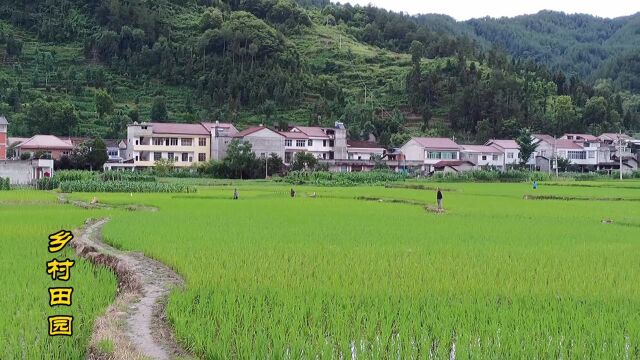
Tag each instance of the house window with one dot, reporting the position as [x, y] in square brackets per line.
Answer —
[137, 142]
[202, 141]
[592, 154]
[190, 158]
[510, 155]
[170, 156]
[330, 143]
[310, 142]
[67, 153]
[202, 157]
[300, 143]
[187, 142]
[157, 156]
[185, 157]
[158, 141]
[174, 141]
[144, 127]
[288, 143]
[137, 158]
[324, 143]
[495, 157]
[484, 157]
[110, 153]
[577, 155]
[287, 157]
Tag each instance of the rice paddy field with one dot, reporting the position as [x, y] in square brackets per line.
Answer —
[364, 272]
[26, 220]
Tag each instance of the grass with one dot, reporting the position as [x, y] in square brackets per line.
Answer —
[495, 275]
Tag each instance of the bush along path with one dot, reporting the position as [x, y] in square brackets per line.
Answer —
[134, 326]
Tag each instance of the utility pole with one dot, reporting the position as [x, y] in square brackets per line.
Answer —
[555, 154]
[620, 148]
[266, 167]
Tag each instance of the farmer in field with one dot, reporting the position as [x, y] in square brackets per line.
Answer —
[439, 198]
[293, 193]
[235, 194]
[535, 185]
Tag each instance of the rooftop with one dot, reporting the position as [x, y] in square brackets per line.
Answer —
[46, 142]
[584, 137]
[437, 143]
[480, 149]
[311, 131]
[505, 144]
[363, 144]
[180, 129]
[253, 129]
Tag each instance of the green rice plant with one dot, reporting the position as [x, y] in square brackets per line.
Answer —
[26, 220]
[326, 178]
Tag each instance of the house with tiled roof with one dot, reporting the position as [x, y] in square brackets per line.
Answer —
[422, 153]
[509, 148]
[51, 145]
[483, 156]
[323, 143]
[264, 141]
[184, 144]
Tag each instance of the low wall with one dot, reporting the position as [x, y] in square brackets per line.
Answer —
[19, 172]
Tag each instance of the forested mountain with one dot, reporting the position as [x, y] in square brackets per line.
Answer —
[88, 67]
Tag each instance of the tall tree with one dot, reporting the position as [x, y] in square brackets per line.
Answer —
[159, 109]
[527, 147]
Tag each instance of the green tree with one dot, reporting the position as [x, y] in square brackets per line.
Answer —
[304, 161]
[104, 103]
[527, 147]
[159, 109]
[595, 111]
[240, 158]
[563, 114]
[97, 155]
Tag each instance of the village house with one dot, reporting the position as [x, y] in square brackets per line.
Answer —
[422, 153]
[221, 136]
[510, 150]
[483, 156]
[52, 146]
[264, 141]
[24, 172]
[184, 144]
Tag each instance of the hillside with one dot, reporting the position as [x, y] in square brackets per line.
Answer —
[77, 67]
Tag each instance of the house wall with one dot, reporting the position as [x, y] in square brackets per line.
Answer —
[265, 142]
[56, 154]
[363, 154]
[3, 142]
[413, 151]
[511, 156]
[24, 172]
[143, 152]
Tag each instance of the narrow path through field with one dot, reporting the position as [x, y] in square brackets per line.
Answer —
[135, 323]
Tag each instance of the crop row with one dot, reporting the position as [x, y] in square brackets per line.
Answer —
[343, 178]
[123, 186]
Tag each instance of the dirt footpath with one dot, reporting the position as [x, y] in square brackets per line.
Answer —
[134, 326]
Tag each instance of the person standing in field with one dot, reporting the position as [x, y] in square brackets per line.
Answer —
[535, 185]
[293, 193]
[439, 198]
[235, 194]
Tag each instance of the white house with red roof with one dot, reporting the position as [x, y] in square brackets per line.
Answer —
[264, 141]
[424, 152]
[483, 156]
[184, 144]
[323, 143]
[509, 148]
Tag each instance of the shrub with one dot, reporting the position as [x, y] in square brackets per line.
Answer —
[47, 183]
[5, 183]
[127, 176]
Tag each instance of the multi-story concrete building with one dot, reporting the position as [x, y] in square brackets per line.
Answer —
[264, 141]
[510, 150]
[185, 144]
[422, 153]
[221, 136]
[483, 156]
[4, 142]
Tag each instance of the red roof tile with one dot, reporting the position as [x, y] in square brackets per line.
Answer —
[312, 131]
[505, 144]
[181, 129]
[480, 149]
[437, 143]
[46, 142]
